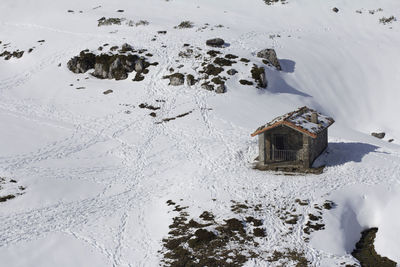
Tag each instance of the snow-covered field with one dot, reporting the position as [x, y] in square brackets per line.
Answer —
[98, 170]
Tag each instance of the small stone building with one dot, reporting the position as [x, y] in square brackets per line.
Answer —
[293, 141]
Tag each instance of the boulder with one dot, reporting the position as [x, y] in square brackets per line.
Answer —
[190, 80]
[220, 89]
[335, 9]
[126, 47]
[176, 79]
[117, 70]
[139, 65]
[270, 56]
[207, 86]
[216, 42]
[232, 72]
[100, 71]
[378, 135]
[258, 74]
[82, 63]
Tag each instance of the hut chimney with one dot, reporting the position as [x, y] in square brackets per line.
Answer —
[314, 117]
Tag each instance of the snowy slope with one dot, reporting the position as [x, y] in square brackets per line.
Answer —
[97, 178]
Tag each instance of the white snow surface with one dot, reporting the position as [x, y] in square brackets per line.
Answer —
[97, 178]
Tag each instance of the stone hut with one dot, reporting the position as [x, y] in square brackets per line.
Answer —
[293, 141]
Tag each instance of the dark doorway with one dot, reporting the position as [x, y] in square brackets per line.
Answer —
[279, 142]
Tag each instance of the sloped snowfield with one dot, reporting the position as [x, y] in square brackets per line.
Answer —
[97, 170]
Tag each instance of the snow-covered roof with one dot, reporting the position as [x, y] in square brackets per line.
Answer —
[299, 120]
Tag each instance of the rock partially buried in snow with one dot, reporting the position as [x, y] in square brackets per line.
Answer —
[190, 80]
[270, 56]
[232, 72]
[82, 63]
[258, 74]
[335, 9]
[216, 42]
[207, 86]
[139, 65]
[175, 79]
[220, 89]
[378, 135]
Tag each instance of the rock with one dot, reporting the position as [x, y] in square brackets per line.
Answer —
[216, 42]
[138, 77]
[108, 92]
[258, 74]
[190, 80]
[263, 80]
[270, 56]
[391, 140]
[232, 72]
[220, 89]
[207, 86]
[335, 9]
[18, 54]
[100, 71]
[117, 70]
[139, 65]
[176, 79]
[82, 63]
[378, 135]
[126, 47]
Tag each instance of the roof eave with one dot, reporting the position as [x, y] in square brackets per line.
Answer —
[289, 124]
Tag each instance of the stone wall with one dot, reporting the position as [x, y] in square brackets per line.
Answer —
[318, 145]
[294, 141]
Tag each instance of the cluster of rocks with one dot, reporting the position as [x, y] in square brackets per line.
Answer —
[8, 55]
[11, 188]
[118, 21]
[111, 65]
[381, 135]
[14, 54]
[217, 67]
[271, 2]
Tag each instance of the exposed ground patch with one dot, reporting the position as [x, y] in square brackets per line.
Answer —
[208, 240]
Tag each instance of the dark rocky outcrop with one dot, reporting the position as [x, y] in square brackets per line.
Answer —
[378, 135]
[8, 55]
[258, 74]
[270, 56]
[110, 66]
[175, 79]
[220, 89]
[216, 42]
[335, 9]
[365, 251]
[82, 63]
[190, 80]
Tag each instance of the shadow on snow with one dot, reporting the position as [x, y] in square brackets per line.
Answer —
[341, 153]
